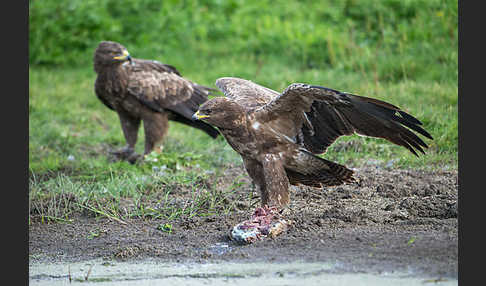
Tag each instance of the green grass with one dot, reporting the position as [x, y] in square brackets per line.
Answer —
[403, 52]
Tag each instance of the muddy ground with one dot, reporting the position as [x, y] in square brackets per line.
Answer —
[391, 220]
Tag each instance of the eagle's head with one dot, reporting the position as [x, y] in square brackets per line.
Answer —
[221, 112]
[109, 54]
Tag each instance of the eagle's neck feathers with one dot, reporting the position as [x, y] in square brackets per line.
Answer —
[114, 79]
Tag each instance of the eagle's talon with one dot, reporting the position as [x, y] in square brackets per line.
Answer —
[126, 153]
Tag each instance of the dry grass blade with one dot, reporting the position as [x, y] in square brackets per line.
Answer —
[103, 214]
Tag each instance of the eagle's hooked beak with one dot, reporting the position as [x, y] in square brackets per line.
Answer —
[124, 56]
[197, 116]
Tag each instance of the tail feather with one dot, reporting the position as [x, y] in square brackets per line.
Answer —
[313, 171]
[211, 131]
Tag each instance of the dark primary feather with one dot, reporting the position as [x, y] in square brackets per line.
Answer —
[330, 114]
[365, 116]
[195, 123]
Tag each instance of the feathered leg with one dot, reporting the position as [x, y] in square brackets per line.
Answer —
[156, 125]
[255, 171]
[276, 181]
[130, 126]
[271, 181]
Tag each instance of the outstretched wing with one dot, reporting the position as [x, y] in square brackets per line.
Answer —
[160, 87]
[246, 93]
[316, 116]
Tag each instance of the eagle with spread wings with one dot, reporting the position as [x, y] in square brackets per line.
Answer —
[280, 135]
[149, 91]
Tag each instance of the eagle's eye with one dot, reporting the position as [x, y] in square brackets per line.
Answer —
[207, 111]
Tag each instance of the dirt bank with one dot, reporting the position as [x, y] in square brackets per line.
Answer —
[391, 220]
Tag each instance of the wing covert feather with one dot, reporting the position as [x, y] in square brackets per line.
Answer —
[246, 93]
[161, 89]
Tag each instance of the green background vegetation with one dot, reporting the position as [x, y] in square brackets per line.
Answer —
[404, 52]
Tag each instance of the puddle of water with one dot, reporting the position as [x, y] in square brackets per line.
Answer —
[149, 272]
[220, 248]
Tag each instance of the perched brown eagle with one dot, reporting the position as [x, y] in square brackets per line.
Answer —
[279, 135]
[145, 90]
